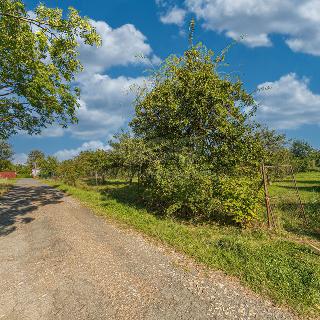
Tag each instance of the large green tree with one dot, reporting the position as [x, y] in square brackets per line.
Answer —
[93, 164]
[206, 150]
[38, 63]
[190, 105]
[301, 149]
[130, 154]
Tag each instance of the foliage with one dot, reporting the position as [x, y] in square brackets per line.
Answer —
[91, 163]
[301, 149]
[38, 62]
[303, 154]
[68, 172]
[49, 167]
[275, 147]
[191, 105]
[23, 170]
[181, 187]
[6, 154]
[130, 154]
[6, 165]
[240, 197]
[6, 151]
[35, 159]
[202, 139]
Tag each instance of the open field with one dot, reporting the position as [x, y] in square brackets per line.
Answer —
[5, 185]
[287, 210]
[270, 263]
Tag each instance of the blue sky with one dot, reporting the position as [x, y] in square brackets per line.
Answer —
[281, 49]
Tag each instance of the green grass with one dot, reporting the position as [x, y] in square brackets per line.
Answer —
[287, 210]
[5, 185]
[286, 271]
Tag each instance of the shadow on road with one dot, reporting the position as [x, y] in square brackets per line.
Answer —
[21, 200]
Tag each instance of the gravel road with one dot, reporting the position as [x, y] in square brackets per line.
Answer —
[59, 261]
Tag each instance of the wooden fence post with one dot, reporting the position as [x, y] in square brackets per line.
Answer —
[266, 194]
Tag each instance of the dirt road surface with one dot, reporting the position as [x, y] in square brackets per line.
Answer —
[60, 261]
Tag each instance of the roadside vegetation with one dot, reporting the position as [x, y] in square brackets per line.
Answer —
[5, 185]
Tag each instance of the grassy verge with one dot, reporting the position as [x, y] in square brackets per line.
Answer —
[287, 272]
[5, 185]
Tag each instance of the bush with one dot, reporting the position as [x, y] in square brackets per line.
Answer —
[240, 197]
[180, 187]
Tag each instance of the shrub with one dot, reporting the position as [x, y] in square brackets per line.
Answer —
[240, 197]
[181, 187]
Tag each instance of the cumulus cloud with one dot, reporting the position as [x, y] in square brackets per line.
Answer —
[298, 21]
[103, 91]
[288, 104]
[106, 105]
[52, 132]
[70, 153]
[20, 158]
[120, 47]
[174, 15]
[106, 102]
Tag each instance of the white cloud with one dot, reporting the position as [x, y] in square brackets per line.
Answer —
[105, 92]
[106, 105]
[52, 132]
[20, 158]
[70, 153]
[288, 104]
[174, 15]
[106, 102]
[298, 21]
[120, 47]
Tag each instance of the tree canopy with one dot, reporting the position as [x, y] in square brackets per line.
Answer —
[6, 151]
[38, 63]
[191, 105]
[6, 154]
[35, 158]
[301, 149]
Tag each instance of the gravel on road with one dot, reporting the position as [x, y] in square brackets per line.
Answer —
[60, 261]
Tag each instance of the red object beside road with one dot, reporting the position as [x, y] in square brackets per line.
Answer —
[8, 175]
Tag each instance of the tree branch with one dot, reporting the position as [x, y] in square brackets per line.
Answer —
[35, 22]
